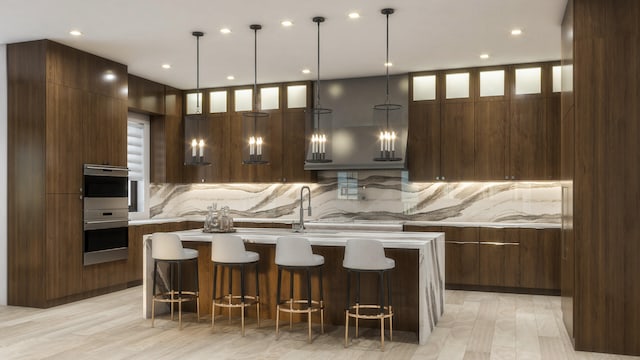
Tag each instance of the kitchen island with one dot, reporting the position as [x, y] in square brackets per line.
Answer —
[417, 280]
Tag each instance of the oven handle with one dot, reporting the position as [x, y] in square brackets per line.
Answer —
[106, 168]
[104, 224]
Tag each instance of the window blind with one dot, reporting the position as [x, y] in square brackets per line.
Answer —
[135, 150]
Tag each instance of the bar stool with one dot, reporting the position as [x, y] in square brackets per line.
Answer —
[228, 251]
[295, 255]
[167, 248]
[361, 256]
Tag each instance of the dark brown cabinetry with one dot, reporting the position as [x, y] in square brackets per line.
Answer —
[461, 256]
[167, 140]
[66, 108]
[284, 136]
[499, 257]
[505, 137]
[511, 259]
[145, 96]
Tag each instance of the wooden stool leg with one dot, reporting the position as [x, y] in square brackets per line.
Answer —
[257, 295]
[321, 305]
[278, 301]
[346, 328]
[213, 295]
[291, 299]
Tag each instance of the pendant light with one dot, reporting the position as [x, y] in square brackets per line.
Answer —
[254, 122]
[388, 135]
[196, 124]
[321, 120]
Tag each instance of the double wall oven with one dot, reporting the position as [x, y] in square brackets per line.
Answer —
[106, 213]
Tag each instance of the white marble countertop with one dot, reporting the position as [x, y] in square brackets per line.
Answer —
[378, 225]
[392, 240]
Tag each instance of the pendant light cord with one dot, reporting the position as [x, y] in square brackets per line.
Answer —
[387, 63]
[255, 69]
[198, 72]
[318, 82]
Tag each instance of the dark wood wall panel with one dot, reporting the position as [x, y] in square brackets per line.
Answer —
[457, 141]
[145, 96]
[423, 143]
[63, 250]
[490, 139]
[66, 108]
[606, 186]
[26, 103]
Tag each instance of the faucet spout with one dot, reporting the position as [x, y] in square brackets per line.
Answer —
[301, 226]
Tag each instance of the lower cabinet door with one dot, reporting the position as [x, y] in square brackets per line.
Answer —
[499, 264]
[461, 263]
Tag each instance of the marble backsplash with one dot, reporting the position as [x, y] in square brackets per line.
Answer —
[367, 195]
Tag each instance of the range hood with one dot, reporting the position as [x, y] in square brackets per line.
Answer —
[353, 140]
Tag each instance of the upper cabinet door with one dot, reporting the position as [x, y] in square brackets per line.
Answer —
[105, 132]
[145, 96]
[423, 142]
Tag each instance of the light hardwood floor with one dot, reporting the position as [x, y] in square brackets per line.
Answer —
[476, 325]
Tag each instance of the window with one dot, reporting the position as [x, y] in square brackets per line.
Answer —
[138, 164]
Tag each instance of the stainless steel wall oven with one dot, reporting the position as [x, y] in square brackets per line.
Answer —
[106, 213]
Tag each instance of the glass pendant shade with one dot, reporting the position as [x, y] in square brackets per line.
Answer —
[387, 114]
[196, 125]
[255, 123]
[319, 148]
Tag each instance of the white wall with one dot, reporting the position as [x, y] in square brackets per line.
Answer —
[3, 174]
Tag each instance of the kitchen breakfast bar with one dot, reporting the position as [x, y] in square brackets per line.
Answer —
[417, 280]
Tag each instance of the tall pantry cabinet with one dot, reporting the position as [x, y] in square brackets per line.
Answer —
[65, 108]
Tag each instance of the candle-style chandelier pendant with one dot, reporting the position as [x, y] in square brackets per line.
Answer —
[196, 125]
[321, 118]
[387, 136]
[255, 122]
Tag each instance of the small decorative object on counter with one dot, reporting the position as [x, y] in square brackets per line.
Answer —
[211, 223]
[218, 221]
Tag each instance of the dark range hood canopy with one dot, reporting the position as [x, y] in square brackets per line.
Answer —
[356, 125]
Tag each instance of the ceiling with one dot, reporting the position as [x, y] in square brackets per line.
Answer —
[424, 35]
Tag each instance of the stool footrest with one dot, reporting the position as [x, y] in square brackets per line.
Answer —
[166, 297]
[315, 306]
[223, 301]
[354, 312]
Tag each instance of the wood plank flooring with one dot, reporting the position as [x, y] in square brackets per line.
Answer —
[476, 325]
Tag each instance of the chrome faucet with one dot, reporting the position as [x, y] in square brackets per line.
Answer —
[301, 225]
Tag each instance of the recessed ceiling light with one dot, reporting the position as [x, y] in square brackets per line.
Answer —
[516, 32]
[286, 23]
[75, 32]
[231, 77]
[225, 31]
[166, 66]
[354, 15]
[484, 56]
[306, 71]
[388, 64]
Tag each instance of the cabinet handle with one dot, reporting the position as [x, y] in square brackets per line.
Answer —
[461, 242]
[497, 243]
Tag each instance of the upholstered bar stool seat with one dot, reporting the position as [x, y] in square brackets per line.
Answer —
[228, 252]
[295, 255]
[362, 256]
[167, 248]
